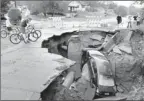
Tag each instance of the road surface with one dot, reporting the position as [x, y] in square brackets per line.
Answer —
[27, 69]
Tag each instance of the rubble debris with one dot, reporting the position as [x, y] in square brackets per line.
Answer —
[125, 48]
[107, 38]
[110, 44]
[119, 89]
[83, 84]
[96, 43]
[96, 37]
[137, 41]
[138, 90]
[74, 53]
[126, 58]
[118, 97]
[69, 79]
[116, 50]
[56, 91]
[128, 37]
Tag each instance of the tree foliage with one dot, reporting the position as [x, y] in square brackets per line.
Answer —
[4, 6]
[139, 1]
[95, 4]
[121, 10]
[46, 7]
[142, 13]
[133, 10]
[112, 6]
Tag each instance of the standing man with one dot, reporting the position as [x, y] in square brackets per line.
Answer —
[135, 20]
[138, 20]
[129, 22]
[119, 20]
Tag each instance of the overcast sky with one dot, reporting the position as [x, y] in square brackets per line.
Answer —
[124, 3]
[128, 3]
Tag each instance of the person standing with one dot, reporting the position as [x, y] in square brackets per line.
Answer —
[119, 20]
[135, 19]
[138, 21]
[129, 22]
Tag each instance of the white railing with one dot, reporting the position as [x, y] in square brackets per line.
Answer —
[91, 21]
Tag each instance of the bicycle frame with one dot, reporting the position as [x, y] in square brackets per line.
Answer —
[32, 30]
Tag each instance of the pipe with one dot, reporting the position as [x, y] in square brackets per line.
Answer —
[69, 79]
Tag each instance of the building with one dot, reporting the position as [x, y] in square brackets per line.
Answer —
[75, 6]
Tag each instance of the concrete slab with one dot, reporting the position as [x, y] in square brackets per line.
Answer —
[125, 47]
[21, 94]
[116, 50]
[96, 37]
[128, 37]
[29, 69]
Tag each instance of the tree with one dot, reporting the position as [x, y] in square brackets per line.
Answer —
[95, 4]
[121, 10]
[63, 5]
[4, 6]
[44, 7]
[112, 6]
[133, 10]
[139, 1]
[52, 6]
[142, 13]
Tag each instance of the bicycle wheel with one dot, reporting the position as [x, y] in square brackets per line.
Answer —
[3, 34]
[38, 33]
[15, 38]
[32, 36]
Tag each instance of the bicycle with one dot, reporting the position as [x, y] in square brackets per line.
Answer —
[30, 28]
[17, 38]
[5, 33]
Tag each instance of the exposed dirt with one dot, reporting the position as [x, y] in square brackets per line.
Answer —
[137, 91]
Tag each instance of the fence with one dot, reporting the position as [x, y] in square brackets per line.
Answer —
[91, 21]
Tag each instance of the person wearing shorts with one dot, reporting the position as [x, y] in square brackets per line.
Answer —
[23, 28]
